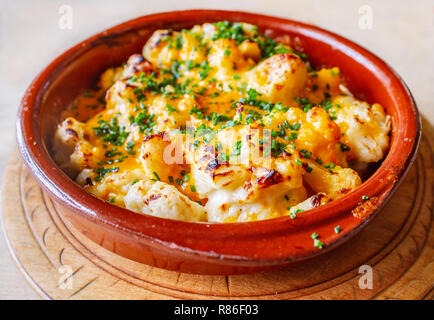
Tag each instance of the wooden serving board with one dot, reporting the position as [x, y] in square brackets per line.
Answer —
[61, 263]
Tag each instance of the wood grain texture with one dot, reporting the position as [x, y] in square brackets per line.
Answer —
[398, 245]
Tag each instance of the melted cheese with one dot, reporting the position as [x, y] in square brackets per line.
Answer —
[219, 123]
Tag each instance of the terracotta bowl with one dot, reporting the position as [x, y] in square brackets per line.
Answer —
[204, 247]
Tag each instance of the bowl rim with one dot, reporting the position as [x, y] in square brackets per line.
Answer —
[62, 188]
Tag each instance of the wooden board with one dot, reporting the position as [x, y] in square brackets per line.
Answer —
[61, 263]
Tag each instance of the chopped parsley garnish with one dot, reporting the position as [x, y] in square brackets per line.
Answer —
[333, 116]
[229, 30]
[129, 147]
[277, 148]
[111, 132]
[190, 65]
[199, 112]
[252, 100]
[204, 69]
[330, 167]
[157, 178]
[295, 126]
[268, 46]
[179, 41]
[344, 147]
[236, 149]
[216, 118]
[102, 172]
[318, 243]
[306, 154]
[144, 121]
[112, 153]
[171, 109]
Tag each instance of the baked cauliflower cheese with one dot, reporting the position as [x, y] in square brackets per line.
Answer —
[219, 123]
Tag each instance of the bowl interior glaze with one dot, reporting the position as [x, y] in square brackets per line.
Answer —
[204, 247]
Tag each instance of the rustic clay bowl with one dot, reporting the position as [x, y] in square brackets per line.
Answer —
[203, 247]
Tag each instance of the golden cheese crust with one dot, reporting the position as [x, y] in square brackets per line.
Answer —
[219, 123]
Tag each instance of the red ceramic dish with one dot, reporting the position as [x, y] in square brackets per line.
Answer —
[203, 247]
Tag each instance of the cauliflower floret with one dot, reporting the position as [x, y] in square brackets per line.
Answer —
[365, 128]
[67, 135]
[71, 150]
[136, 64]
[246, 191]
[209, 30]
[157, 51]
[85, 155]
[163, 200]
[313, 133]
[109, 77]
[208, 179]
[323, 82]
[84, 178]
[250, 49]
[224, 58]
[171, 114]
[234, 157]
[279, 78]
[166, 46]
[222, 207]
[331, 179]
[317, 134]
[157, 158]
[115, 185]
[118, 97]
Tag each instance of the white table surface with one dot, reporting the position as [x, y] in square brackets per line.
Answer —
[402, 34]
